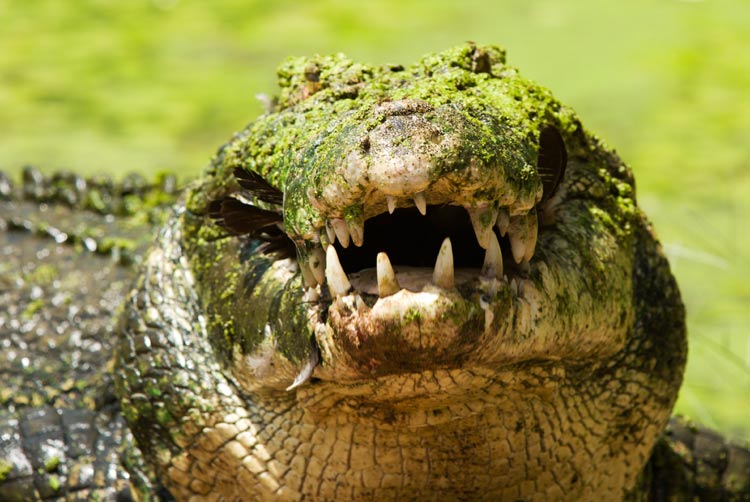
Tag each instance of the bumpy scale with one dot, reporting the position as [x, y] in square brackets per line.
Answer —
[504, 326]
[461, 350]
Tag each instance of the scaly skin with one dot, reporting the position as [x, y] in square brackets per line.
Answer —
[473, 388]
[68, 249]
[248, 375]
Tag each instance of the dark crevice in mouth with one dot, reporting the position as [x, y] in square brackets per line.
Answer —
[410, 239]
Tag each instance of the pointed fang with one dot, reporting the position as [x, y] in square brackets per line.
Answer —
[522, 232]
[330, 232]
[443, 274]
[341, 231]
[483, 220]
[421, 203]
[357, 231]
[391, 200]
[311, 295]
[533, 234]
[387, 283]
[517, 241]
[338, 282]
[316, 261]
[493, 260]
[306, 372]
[307, 275]
[503, 221]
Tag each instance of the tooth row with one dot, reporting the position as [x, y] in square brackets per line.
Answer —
[353, 230]
[522, 230]
[443, 275]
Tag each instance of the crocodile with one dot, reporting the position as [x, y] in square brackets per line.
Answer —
[399, 283]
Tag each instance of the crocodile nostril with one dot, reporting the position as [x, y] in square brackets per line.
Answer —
[402, 107]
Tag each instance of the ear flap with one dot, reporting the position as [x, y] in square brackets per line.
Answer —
[552, 160]
[241, 218]
[258, 187]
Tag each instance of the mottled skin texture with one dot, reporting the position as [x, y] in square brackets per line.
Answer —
[483, 391]
[552, 381]
[68, 252]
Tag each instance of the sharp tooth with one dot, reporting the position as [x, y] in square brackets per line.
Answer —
[443, 274]
[322, 238]
[316, 261]
[514, 286]
[517, 242]
[387, 283]
[357, 231]
[330, 232]
[391, 203]
[503, 220]
[533, 225]
[420, 202]
[341, 231]
[493, 259]
[311, 295]
[338, 282]
[483, 220]
[307, 274]
[523, 234]
[306, 372]
[362, 307]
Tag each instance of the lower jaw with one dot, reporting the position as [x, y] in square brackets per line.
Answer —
[406, 332]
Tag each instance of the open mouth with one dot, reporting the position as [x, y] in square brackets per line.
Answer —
[443, 245]
[407, 248]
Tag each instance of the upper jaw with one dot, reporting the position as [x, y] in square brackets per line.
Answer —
[436, 296]
[415, 159]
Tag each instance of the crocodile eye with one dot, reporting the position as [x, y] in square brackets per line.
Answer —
[552, 160]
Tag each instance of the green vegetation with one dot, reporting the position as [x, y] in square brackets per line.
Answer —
[5, 468]
[51, 464]
[98, 85]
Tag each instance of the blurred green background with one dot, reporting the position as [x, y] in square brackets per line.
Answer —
[149, 85]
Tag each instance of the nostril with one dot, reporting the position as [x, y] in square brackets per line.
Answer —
[403, 107]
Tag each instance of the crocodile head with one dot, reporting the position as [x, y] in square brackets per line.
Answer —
[433, 221]
[439, 248]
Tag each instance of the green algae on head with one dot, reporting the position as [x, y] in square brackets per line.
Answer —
[437, 255]
[459, 136]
